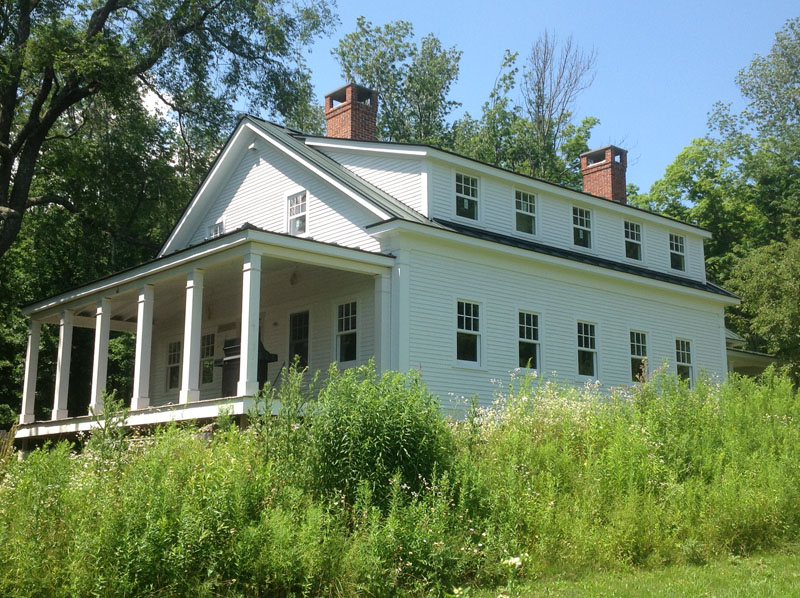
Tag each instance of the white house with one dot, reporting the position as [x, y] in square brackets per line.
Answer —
[343, 248]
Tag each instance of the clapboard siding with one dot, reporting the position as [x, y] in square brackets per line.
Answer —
[561, 298]
[256, 192]
[554, 221]
[279, 299]
[400, 177]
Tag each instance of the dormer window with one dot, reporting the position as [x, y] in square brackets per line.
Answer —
[677, 252]
[297, 207]
[582, 227]
[633, 240]
[525, 204]
[466, 196]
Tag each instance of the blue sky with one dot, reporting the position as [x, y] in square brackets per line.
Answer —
[660, 65]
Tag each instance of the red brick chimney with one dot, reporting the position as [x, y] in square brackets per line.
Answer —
[603, 172]
[355, 114]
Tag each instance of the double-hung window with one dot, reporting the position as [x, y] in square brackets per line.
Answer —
[587, 350]
[298, 338]
[677, 252]
[466, 196]
[633, 240]
[638, 355]
[468, 334]
[683, 359]
[298, 209]
[207, 358]
[528, 340]
[346, 332]
[174, 365]
[525, 204]
[582, 227]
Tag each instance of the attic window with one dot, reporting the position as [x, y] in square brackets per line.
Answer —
[215, 230]
[466, 196]
[297, 213]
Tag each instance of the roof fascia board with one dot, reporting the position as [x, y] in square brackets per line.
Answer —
[215, 169]
[413, 229]
[330, 180]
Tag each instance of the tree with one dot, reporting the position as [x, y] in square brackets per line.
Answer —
[413, 81]
[200, 56]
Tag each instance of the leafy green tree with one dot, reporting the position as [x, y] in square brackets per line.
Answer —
[413, 81]
[201, 56]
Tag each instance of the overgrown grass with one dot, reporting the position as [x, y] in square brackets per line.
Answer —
[362, 488]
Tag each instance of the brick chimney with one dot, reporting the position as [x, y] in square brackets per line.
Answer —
[603, 172]
[354, 115]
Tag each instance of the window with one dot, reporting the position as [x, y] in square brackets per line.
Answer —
[466, 196]
[683, 358]
[468, 335]
[638, 355]
[525, 204]
[677, 252]
[346, 332]
[587, 350]
[216, 230]
[582, 227]
[207, 359]
[174, 365]
[298, 338]
[528, 340]
[633, 240]
[297, 213]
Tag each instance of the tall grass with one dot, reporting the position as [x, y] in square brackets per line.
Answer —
[362, 488]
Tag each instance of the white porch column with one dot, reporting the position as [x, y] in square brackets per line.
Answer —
[251, 301]
[100, 361]
[401, 298]
[383, 321]
[190, 382]
[144, 344]
[62, 367]
[31, 368]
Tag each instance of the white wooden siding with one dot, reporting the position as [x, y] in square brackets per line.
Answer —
[256, 193]
[561, 298]
[554, 221]
[319, 294]
[400, 177]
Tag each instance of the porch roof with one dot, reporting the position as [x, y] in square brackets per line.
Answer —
[246, 239]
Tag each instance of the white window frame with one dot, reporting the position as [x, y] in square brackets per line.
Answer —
[581, 215]
[677, 246]
[173, 348]
[476, 198]
[339, 333]
[533, 202]
[465, 326]
[215, 230]
[523, 338]
[292, 217]
[630, 237]
[683, 348]
[593, 350]
[638, 352]
[206, 356]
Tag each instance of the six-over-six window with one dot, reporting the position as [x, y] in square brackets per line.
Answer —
[466, 196]
[468, 334]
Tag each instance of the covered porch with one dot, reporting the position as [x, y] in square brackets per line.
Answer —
[212, 324]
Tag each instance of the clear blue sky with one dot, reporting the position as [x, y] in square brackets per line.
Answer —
[660, 65]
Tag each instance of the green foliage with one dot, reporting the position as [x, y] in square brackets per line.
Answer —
[551, 480]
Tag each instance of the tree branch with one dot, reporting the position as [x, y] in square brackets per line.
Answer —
[51, 199]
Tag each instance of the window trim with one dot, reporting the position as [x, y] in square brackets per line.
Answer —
[590, 228]
[689, 364]
[537, 342]
[625, 241]
[681, 253]
[477, 198]
[516, 211]
[287, 198]
[480, 364]
[178, 364]
[595, 351]
[644, 358]
[337, 333]
[207, 358]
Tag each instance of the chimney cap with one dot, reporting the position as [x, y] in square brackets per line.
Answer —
[599, 154]
[363, 94]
